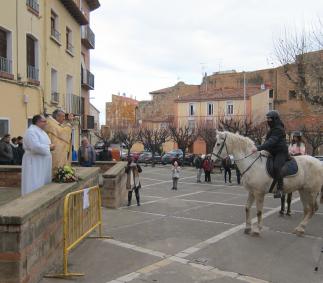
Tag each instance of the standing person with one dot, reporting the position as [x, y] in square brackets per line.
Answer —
[20, 149]
[6, 154]
[59, 130]
[133, 181]
[14, 147]
[37, 160]
[226, 164]
[175, 175]
[198, 162]
[296, 148]
[238, 174]
[86, 153]
[207, 166]
[276, 145]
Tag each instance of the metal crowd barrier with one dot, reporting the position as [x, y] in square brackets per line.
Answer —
[82, 215]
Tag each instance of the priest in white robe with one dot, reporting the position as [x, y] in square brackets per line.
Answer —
[37, 160]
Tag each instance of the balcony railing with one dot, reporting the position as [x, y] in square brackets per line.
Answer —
[56, 34]
[33, 4]
[87, 79]
[74, 9]
[5, 65]
[88, 37]
[73, 104]
[32, 73]
[70, 47]
[55, 97]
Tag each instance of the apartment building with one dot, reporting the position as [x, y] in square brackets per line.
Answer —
[41, 50]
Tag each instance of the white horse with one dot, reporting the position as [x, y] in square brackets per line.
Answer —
[255, 179]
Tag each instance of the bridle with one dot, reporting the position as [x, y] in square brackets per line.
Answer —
[218, 155]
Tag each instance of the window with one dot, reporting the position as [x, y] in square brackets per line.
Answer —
[229, 108]
[271, 93]
[191, 109]
[292, 94]
[4, 127]
[210, 109]
[69, 45]
[54, 26]
[5, 51]
[69, 95]
[54, 92]
[33, 5]
[32, 58]
[191, 124]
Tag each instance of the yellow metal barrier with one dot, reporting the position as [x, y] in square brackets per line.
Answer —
[82, 215]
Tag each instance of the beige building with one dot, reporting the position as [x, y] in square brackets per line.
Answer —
[41, 50]
[95, 113]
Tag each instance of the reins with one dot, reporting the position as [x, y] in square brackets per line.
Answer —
[235, 160]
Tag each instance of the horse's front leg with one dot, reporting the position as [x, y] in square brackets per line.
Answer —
[249, 203]
[259, 205]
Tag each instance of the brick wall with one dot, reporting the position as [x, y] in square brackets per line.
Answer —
[10, 176]
[31, 234]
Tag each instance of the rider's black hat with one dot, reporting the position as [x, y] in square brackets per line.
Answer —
[273, 114]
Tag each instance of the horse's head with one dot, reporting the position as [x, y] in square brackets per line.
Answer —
[220, 149]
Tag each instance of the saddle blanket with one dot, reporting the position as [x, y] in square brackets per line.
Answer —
[290, 168]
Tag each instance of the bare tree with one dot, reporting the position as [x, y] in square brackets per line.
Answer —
[184, 137]
[302, 63]
[313, 133]
[153, 139]
[104, 135]
[208, 134]
[258, 132]
[235, 124]
[127, 136]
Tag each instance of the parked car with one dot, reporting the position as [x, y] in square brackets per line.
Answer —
[123, 154]
[168, 157]
[146, 157]
[319, 158]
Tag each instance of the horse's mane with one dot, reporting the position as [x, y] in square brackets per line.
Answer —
[239, 142]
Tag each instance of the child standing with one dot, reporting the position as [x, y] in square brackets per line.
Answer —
[175, 175]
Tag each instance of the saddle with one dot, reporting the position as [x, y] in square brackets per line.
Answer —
[289, 169]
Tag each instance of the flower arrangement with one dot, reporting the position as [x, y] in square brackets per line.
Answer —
[65, 174]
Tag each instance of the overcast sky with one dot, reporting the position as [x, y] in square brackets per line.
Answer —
[145, 45]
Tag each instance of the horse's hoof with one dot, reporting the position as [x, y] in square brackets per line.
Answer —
[247, 231]
[299, 232]
[256, 234]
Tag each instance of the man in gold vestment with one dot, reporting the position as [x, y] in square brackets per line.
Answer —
[60, 134]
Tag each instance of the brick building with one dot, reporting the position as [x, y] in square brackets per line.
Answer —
[121, 112]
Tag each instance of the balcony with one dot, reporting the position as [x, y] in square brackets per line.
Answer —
[88, 37]
[54, 97]
[73, 104]
[33, 74]
[87, 79]
[33, 6]
[55, 35]
[6, 68]
[74, 9]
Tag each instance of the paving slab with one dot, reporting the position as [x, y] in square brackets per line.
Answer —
[213, 197]
[180, 273]
[102, 262]
[275, 257]
[217, 212]
[168, 235]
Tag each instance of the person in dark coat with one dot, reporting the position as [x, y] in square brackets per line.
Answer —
[226, 164]
[198, 162]
[6, 154]
[208, 167]
[20, 149]
[133, 170]
[14, 147]
[276, 145]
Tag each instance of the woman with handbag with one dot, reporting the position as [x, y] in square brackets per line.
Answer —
[133, 181]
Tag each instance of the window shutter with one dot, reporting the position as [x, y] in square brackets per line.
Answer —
[3, 44]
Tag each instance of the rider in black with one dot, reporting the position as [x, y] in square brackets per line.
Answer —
[276, 145]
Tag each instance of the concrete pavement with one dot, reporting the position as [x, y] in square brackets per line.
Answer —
[195, 234]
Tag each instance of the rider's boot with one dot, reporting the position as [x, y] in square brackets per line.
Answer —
[279, 192]
[282, 205]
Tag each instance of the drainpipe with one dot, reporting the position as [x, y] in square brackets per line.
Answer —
[44, 61]
[17, 39]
